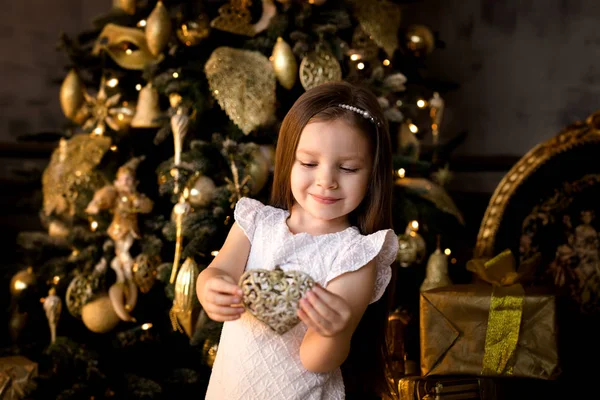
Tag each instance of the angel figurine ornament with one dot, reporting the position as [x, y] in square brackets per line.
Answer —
[125, 203]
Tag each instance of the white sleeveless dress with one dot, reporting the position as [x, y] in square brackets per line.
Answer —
[255, 363]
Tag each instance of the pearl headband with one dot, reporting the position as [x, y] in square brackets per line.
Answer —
[360, 111]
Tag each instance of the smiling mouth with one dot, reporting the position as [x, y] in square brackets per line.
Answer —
[324, 200]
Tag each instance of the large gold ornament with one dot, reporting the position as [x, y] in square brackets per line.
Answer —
[284, 64]
[71, 174]
[419, 40]
[380, 19]
[243, 82]
[126, 46]
[200, 191]
[147, 109]
[319, 66]
[273, 296]
[71, 96]
[103, 110]
[193, 32]
[158, 29]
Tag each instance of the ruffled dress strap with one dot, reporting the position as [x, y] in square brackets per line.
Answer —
[245, 213]
[381, 246]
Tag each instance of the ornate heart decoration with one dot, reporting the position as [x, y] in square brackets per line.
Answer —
[272, 296]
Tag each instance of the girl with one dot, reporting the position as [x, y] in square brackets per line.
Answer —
[330, 217]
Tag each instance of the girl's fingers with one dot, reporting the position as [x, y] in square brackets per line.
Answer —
[224, 311]
[223, 286]
[321, 307]
[223, 299]
[309, 322]
[314, 315]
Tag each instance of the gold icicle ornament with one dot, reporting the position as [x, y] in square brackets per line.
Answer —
[71, 96]
[148, 108]
[284, 64]
[380, 19]
[126, 46]
[183, 300]
[180, 123]
[244, 83]
[319, 66]
[158, 29]
[181, 209]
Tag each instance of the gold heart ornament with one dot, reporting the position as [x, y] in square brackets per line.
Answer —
[272, 296]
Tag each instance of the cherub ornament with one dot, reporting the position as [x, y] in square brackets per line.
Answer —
[125, 203]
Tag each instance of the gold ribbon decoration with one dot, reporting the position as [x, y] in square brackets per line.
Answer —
[506, 308]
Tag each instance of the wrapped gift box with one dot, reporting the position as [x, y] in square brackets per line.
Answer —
[17, 375]
[485, 330]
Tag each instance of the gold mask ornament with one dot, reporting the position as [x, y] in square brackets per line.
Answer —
[117, 41]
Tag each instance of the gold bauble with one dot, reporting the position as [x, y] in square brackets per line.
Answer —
[258, 170]
[319, 67]
[71, 95]
[193, 32]
[419, 40]
[201, 191]
[99, 316]
[158, 29]
[147, 109]
[22, 281]
[244, 83]
[284, 64]
[144, 271]
[407, 250]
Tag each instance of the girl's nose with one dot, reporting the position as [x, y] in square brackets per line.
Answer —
[326, 179]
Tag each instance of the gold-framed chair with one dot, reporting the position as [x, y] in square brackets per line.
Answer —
[549, 204]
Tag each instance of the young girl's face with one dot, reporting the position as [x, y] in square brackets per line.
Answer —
[331, 171]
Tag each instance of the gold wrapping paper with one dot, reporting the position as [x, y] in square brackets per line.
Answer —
[16, 375]
[454, 323]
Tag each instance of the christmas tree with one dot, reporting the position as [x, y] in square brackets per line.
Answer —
[173, 111]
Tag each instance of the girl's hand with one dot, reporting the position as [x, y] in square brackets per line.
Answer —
[325, 312]
[221, 299]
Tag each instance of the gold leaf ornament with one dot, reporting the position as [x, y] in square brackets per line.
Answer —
[158, 29]
[319, 66]
[243, 82]
[126, 46]
[272, 296]
[70, 171]
[434, 193]
[234, 17]
[380, 19]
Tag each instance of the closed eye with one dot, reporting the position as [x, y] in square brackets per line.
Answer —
[308, 165]
[349, 170]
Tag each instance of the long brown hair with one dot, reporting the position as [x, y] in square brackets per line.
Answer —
[364, 369]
